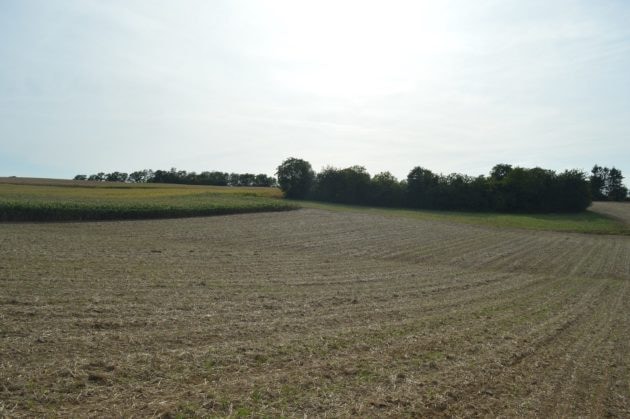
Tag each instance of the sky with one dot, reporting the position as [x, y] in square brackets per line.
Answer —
[238, 86]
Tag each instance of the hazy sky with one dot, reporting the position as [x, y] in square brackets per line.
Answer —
[103, 85]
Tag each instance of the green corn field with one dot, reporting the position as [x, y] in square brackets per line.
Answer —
[47, 200]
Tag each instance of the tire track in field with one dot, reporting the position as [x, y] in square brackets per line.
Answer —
[437, 248]
[491, 387]
[575, 385]
[546, 345]
[504, 260]
[603, 403]
[618, 397]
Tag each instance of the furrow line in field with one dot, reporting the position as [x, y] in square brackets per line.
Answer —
[600, 400]
[382, 349]
[617, 401]
[440, 247]
[578, 362]
[502, 254]
[493, 386]
[601, 260]
[621, 254]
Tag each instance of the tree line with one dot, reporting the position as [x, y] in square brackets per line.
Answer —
[183, 177]
[607, 184]
[505, 189]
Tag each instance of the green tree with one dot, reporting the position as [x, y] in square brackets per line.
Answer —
[607, 184]
[500, 171]
[328, 185]
[140, 176]
[355, 185]
[572, 192]
[264, 180]
[234, 179]
[599, 181]
[616, 190]
[295, 177]
[386, 190]
[422, 186]
[116, 177]
[349, 186]
[99, 177]
[213, 178]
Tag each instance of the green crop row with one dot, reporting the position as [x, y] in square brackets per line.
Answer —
[57, 203]
[67, 211]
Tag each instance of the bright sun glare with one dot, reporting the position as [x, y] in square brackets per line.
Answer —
[356, 48]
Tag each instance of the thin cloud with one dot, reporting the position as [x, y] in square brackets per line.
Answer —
[232, 85]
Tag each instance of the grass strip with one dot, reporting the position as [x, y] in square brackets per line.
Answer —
[588, 222]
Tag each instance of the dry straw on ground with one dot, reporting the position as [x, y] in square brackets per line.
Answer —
[311, 312]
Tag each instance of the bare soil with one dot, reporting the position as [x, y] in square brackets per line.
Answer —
[311, 313]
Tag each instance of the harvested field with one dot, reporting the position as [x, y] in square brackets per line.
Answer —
[312, 312]
[618, 210]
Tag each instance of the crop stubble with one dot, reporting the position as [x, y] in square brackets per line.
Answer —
[618, 210]
[311, 312]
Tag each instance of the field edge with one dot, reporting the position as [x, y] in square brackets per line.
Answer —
[587, 222]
